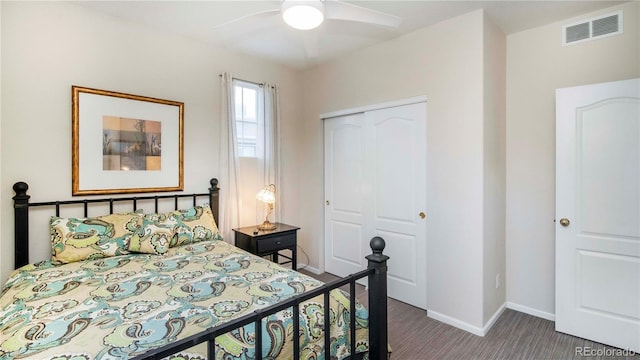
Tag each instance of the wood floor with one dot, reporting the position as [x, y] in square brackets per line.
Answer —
[414, 336]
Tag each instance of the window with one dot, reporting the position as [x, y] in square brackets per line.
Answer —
[248, 113]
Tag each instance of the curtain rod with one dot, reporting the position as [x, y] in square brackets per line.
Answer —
[247, 81]
[250, 82]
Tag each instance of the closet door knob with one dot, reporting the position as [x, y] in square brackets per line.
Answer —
[564, 222]
[422, 215]
[328, 203]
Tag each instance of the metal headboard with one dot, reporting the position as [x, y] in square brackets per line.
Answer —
[21, 207]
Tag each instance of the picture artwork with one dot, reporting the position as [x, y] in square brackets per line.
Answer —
[131, 144]
[124, 143]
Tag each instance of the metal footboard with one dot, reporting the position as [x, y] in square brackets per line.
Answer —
[376, 273]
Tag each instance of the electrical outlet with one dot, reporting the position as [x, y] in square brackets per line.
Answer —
[497, 281]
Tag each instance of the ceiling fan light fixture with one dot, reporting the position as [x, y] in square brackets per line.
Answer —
[303, 15]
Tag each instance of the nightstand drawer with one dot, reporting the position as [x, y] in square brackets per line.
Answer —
[275, 243]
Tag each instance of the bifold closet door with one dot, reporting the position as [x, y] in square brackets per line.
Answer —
[344, 161]
[375, 185]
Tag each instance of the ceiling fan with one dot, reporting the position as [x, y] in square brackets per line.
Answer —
[310, 14]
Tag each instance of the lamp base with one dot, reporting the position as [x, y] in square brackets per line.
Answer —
[267, 225]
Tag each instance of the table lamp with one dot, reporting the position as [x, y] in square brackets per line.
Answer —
[267, 196]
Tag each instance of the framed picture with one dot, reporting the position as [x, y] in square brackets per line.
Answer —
[124, 143]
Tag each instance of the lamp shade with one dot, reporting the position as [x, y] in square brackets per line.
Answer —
[267, 195]
[303, 15]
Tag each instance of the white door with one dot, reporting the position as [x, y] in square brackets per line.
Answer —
[345, 234]
[375, 185]
[598, 213]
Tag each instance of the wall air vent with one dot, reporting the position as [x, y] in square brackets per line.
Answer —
[591, 29]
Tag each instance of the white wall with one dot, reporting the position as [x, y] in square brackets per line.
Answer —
[49, 46]
[537, 64]
[494, 137]
[445, 63]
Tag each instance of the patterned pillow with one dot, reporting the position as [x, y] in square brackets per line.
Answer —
[152, 239]
[186, 226]
[76, 239]
[194, 225]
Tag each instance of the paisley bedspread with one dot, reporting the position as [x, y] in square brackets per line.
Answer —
[122, 306]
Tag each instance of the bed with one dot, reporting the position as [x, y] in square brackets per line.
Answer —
[152, 284]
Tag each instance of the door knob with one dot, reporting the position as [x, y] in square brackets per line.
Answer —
[328, 202]
[422, 215]
[564, 222]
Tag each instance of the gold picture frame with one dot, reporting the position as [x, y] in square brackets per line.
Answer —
[123, 143]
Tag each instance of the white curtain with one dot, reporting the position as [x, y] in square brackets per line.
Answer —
[230, 205]
[269, 161]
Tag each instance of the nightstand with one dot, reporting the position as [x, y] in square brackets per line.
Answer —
[269, 242]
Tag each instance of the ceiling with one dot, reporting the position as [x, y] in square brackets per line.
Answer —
[249, 27]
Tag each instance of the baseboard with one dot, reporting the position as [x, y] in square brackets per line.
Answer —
[455, 323]
[468, 327]
[310, 269]
[494, 318]
[531, 311]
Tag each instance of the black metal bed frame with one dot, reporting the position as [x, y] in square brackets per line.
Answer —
[376, 273]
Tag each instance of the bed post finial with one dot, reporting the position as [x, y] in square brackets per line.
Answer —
[214, 199]
[20, 188]
[21, 225]
[377, 244]
[378, 336]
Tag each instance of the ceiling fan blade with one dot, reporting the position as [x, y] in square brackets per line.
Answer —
[244, 27]
[249, 18]
[339, 10]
